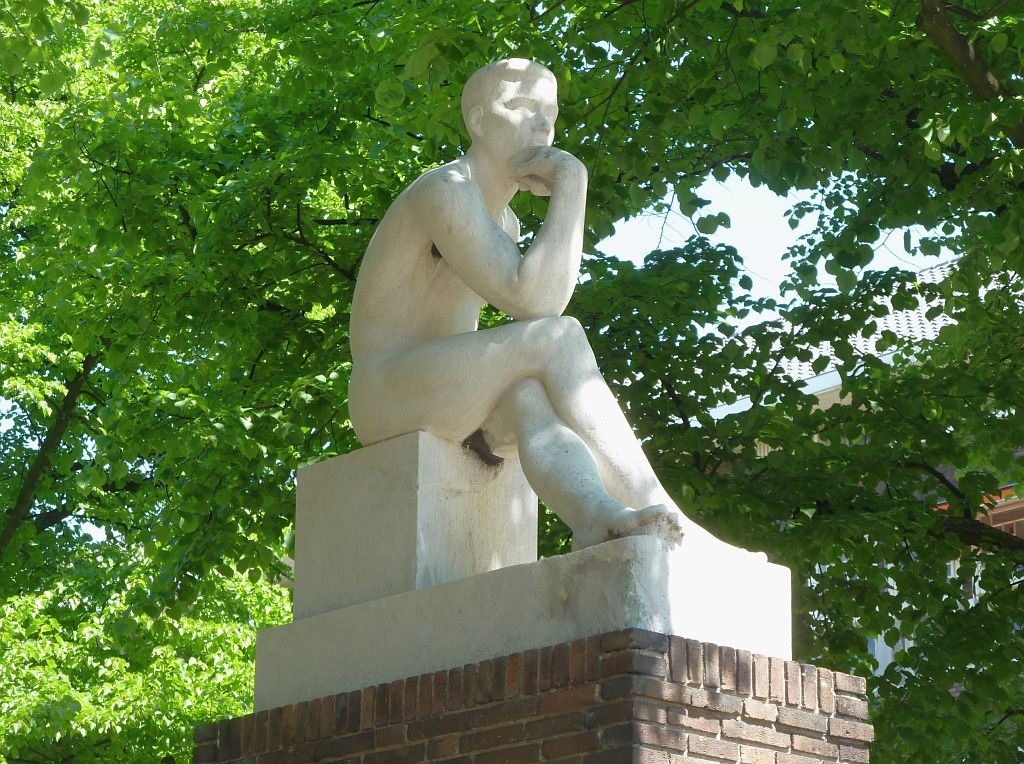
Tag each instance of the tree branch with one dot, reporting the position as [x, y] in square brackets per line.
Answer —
[934, 21]
[976, 533]
[30, 483]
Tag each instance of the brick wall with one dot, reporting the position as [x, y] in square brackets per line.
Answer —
[626, 696]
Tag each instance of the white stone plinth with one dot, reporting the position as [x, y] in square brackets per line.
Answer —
[406, 513]
[712, 593]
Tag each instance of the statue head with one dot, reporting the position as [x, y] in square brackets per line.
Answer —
[511, 105]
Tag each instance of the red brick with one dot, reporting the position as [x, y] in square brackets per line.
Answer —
[396, 701]
[530, 672]
[458, 721]
[438, 699]
[506, 711]
[560, 666]
[650, 712]
[523, 754]
[274, 728]
[498, 690]
[809, 699]
[411, 689]
[205, 733]
[817, 746]
[469, 672]
[513, 675]
[716, 749]
[492, 738]
[856, 685]
[696, 722]
[720, 702]
[664, 737]
[484, 682]
[694, 662]
[626, 639]
[752, 755]
[711, 675]
[287, 727]
[794, 684]
[454, 689]
[559, 701]
[634, 662]
[248, 736]
[744, 672]
[592, 668]
[355, 710]
[677, 658]
[346, 745]
[260, 742]
[621, 755]
[826, 691]
[633, 685]
[727, 668]
[622, 710]
[777, 680]
[442, 747]
[805, 720]
[326, 721]
[754, 733]
[400, 756]
[313, 718]
[762, 675]
[617, 734]
[366, 709]
[425, 702]
[847, 705]
[380, 705]
[390, 736]
[850, 730]
[205, 752]
[570, 745]
[577, 661]
[555, 725]
[764, 712]
[340, 722]
[792, 758]
[853, 754]
[544, 669]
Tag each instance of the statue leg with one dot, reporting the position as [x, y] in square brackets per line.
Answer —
[568, 425]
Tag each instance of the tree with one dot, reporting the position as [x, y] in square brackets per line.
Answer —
[188, 187]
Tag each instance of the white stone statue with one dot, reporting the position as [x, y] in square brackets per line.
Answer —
[447, 245]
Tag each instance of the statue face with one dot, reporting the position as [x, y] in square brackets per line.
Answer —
[521, 116]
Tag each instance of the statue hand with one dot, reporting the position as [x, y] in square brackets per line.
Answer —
[543, 169]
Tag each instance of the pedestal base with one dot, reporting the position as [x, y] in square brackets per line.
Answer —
[713, 593]
[625, 696]
[403, 514]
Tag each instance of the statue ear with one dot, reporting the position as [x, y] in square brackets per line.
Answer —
[476, 115]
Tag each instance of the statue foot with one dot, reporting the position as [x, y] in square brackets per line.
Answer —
[657, 520]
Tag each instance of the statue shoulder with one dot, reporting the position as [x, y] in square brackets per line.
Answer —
[445, 185]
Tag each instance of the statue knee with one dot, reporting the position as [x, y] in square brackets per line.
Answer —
[526, 394]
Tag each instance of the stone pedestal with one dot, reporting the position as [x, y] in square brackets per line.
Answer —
[626, 696]
[400, 515]
[717, 593]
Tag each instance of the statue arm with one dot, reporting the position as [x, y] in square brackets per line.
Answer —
[537, 284]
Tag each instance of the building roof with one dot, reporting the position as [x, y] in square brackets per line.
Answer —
[911, 325]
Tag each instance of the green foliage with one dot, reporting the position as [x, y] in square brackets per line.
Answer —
[186, 189]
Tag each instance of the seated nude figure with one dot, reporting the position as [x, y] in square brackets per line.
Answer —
[447, 245]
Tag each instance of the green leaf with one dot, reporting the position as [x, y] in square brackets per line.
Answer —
[764, 55]
[999, 42]
[389, 94]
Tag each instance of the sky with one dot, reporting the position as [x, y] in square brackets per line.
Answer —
[759, 231]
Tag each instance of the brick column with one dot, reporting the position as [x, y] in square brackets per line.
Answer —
[625, 696]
